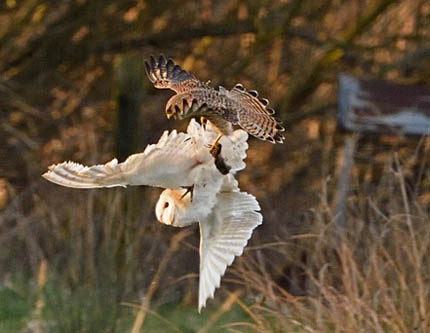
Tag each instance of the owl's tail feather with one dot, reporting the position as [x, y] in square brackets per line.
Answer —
[71, 174]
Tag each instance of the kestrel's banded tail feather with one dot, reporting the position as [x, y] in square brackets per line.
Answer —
[165, 74]
[257, 119]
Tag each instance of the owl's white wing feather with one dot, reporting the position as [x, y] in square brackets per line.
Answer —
[223, 235]
[165, 164]
[234, 146]
[234, 150]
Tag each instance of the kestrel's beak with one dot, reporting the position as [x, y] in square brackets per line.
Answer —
[170, 114]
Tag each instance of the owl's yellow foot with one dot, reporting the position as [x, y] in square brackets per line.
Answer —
[190, 190]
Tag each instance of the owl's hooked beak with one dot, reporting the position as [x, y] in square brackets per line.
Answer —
[189, 190]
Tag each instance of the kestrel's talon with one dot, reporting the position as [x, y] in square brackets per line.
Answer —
[219, 161]
[215, 150]
[189, 189]
[221, 165]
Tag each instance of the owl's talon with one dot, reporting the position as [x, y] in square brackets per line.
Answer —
[190, 190]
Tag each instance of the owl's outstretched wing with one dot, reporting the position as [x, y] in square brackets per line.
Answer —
[255, 116]
[223, 235]
[164, 164]
[165, 74]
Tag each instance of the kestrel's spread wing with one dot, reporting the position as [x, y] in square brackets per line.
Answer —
[223, 107]
[254, 116]
[165, 74]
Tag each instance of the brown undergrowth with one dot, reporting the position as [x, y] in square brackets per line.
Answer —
[372, 276]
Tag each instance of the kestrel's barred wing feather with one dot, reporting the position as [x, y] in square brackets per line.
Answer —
[255, 117]
[250, 97]
[165, 74]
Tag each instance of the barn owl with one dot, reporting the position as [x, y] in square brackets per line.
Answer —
[222, 107]
[225, 228]
[177, 162]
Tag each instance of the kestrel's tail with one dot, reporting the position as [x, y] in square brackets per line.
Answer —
[71, 174]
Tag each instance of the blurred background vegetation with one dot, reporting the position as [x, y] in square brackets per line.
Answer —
[72, 87]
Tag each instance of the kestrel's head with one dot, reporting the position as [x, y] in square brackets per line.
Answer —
[177, 106]
[173, 109]
[183, 106]
[171, 207]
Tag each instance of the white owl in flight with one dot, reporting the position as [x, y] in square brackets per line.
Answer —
[180, 162]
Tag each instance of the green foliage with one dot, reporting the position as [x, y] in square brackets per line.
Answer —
[87, 310]
[179, 318]
[15, 310]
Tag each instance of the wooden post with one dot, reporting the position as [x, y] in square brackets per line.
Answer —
[344, 178]
[129, 75]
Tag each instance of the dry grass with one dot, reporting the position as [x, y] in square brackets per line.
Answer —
[99, 262]
[76, 257]
[87, 252]
[372, 277]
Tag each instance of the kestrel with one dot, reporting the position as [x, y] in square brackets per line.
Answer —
[222, 107]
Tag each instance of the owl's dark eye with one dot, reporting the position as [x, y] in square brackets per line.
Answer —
[166, 204]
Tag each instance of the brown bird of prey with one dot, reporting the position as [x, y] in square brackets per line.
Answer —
[222, 107]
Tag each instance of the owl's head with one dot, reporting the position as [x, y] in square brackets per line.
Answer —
[172, 207]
